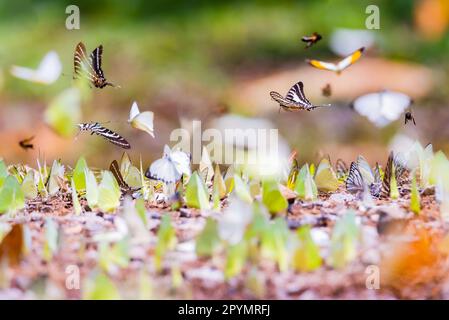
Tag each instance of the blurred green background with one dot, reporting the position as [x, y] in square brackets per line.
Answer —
[197, 59]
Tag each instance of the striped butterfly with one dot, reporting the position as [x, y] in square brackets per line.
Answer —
[295, 99]
[341, 169]
[111, 136]
[400, 172]
[341, 65]
[355, 183]
[89, 67]
[171, 167]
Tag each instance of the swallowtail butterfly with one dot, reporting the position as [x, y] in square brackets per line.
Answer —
[295, 99]
[355, 183]
[111, 136]
[89, 67]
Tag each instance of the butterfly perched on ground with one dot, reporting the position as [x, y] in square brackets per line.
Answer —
[409, 117]
[357, 183]
[326, 91]
[26, 143]
[170, 167]
[341, 65]
[89, 67]
[111, 136]
[124, 187]
[47, 72]
[341, 169]
[383, 107]
[311, 40]
[394, 164]
[295, 99]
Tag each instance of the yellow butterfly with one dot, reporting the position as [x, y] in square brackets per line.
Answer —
[341, 65]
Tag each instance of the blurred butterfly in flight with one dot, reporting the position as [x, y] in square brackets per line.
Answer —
[111, 136]
[326, 91]
[341, 65]
[47, 72]
[311, 40]
[26, 143]
[89, 67]
[409, 117]
[383, 107]
[295, 99]
[170, 167]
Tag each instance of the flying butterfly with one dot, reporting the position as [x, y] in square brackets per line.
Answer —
[341, 65]
[311, 40]
[26, 143]
[295, 99]
[111, 136]
[89, 67]
[383, 107]
[170, 167]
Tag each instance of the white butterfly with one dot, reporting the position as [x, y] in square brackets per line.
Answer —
[47, 72]
[381, 108]
[141, 120]
[170, 167]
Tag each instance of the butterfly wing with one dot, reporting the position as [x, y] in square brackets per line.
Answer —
[115, 169]
[134, 111]
[322, 65]
[393, 104]
[144, 121]
[181, 161]
[342, 169]
[354, 181]
[350, 60]
[111, 136]
[164, 170]
[95, 59]
[283, 102]
[82, 64]
[365, 170]
[49, 70]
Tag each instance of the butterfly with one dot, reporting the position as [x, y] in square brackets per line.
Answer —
[356, 183]
[170, 167]
[111, 136]
[341, 169]
[341, 65]
[26, 143]
[47, 72]
[89, 68]
[400, 172]
[326, 91]
[409, 117]
[381, 108]
[124, 187]
[141, 120]
[311, 40]
[295, 99]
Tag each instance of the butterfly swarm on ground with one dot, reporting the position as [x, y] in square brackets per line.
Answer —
[89, 68]
[295, 99]
[111, 136]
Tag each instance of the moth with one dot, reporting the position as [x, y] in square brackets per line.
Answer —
[339, 66]
[89, 67]
[26, 144]
[111, 136]
[326, 91]
[409, 117]
[311, 40]
[295, 99]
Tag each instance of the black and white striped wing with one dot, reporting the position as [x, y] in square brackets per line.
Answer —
[354, 181]
[283, 102]
[342, 168]
[95, 59]
[110, 135]
[296, 94]
[387, 175]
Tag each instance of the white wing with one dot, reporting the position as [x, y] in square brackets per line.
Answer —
[144, 121]
[181, 161]
[393, 104]
[134, 111]
[365, 170]
[48, 71]
[164, 170]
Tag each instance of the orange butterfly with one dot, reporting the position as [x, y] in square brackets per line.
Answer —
[341, 65]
